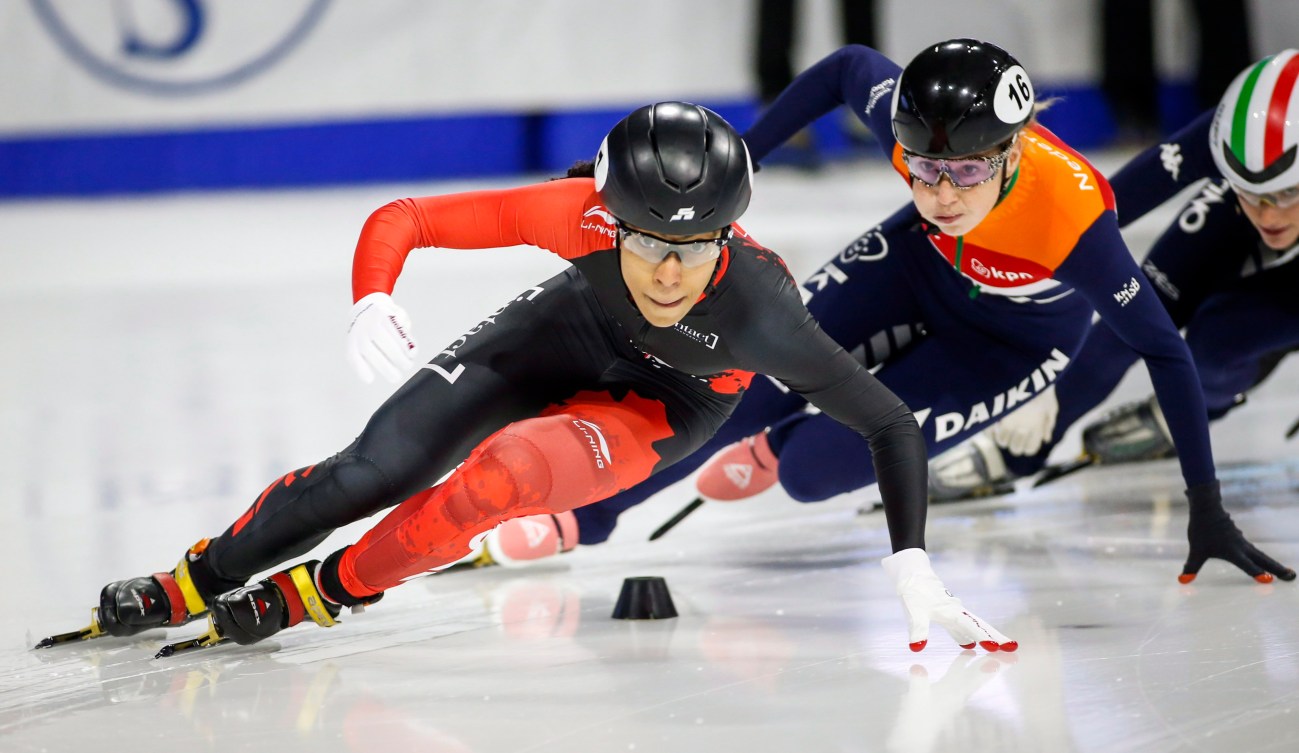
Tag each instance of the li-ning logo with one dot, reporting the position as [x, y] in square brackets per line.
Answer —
[595, 438]
[600, 213]
[684, 213]
[1128, 292]
[1171, 156]
[238, 41]
[877, 92]
[708, 340]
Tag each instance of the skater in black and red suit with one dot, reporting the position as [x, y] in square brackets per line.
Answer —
[582, 386]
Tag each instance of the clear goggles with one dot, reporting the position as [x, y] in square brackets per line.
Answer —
[654, 249]
[1280, 199]
[964, 173]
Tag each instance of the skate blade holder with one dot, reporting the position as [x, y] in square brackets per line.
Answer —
[93, 630]
[210, 638]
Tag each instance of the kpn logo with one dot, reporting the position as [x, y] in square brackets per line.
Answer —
[177, 47]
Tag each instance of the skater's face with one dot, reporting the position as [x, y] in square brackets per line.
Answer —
[956, 210]
[1275, 216]
[665, 289]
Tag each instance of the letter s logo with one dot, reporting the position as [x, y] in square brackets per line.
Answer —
[147, 46]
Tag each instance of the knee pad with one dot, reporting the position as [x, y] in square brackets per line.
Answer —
[804, 489]
[542, 465]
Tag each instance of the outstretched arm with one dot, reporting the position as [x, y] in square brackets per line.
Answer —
[857, 76]
[1163, 170]
[1103, 271]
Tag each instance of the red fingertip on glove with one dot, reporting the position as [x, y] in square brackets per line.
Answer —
[1185, 578]
[990, 645]
[966, 646]
[1010, 646]
[919, 646]
[1263, 577]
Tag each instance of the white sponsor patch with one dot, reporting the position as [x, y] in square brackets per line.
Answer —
[602, 164]
[739, 474]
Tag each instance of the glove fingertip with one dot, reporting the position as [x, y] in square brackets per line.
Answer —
[966, 646]
[990, 646]
[1288, 575]
[1263, 577]
[918, 646]
[1185, 578]
[1010, 646]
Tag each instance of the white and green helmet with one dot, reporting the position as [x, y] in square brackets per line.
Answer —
[1255, 133]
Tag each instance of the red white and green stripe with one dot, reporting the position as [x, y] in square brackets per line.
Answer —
[1259, 141]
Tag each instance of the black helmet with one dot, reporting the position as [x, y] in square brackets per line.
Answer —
[674, 168]
[960, 97]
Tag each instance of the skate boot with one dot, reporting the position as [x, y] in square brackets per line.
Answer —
[970, 470]
[254, 613]
[520, 542]
[740, 471]
[1130, 433]
[167, 599]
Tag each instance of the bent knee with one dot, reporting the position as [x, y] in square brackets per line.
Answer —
[351, 487]
[805, 488]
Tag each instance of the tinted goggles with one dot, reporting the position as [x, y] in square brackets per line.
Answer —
[964, 173]
[1280, 199]
[654, 249]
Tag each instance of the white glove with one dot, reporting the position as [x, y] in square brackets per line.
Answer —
[926, 599]
[1025, 430]
[379, 339]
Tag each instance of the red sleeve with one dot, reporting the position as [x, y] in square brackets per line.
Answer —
[547, 215]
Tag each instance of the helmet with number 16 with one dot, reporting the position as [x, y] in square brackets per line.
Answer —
[960, 97]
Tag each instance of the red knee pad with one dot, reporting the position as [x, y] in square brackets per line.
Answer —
[542, 465]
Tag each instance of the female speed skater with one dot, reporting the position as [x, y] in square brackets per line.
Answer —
[1224, 269]
[970, 301]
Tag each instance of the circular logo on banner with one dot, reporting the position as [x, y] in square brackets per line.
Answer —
[177, 47]
[1014, 97]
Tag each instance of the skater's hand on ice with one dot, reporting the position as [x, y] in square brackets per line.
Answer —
[1025, 430]
[379, 339]
[925, 599]
[1212, 534]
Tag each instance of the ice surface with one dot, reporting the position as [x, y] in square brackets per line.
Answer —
[166, 357]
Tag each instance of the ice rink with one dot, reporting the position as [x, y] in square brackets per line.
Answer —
[166, 357]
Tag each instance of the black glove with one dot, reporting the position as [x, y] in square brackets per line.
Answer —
[1212, 534]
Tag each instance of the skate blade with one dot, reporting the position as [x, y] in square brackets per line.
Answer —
[999, 489]
[1057, 472]
[680, 516]
[211, 638]
[93, 630]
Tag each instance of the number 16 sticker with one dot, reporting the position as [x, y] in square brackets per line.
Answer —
[1014, 98]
